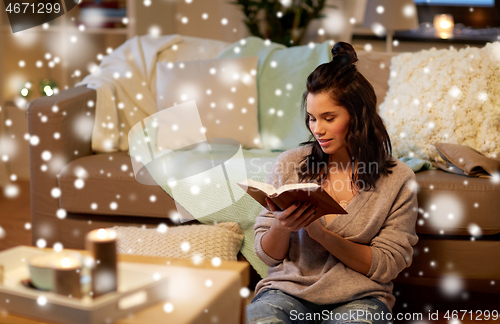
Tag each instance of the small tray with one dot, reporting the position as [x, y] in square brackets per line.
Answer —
[139, 286]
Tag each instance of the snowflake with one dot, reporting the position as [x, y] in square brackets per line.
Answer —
[216, 261]
[185, 246]
[168, 307]
[41, 243]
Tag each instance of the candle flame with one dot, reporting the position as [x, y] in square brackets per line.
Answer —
[66, 262]
[445, 24]
[102, 234]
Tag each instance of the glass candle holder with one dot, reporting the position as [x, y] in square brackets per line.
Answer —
[66, 276]
[444, 25]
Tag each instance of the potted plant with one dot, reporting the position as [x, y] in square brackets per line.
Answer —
[282, 21]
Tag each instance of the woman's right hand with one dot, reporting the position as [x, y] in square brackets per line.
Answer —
[294, 217]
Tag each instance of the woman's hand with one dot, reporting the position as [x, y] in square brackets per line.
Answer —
[294, 217]
[316, 230]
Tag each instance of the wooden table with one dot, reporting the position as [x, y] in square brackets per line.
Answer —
[195, 304]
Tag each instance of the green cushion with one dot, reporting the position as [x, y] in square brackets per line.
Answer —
[284, 69]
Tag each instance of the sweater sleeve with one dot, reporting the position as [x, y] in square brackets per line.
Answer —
[277, 178]
[262, 226]
[392, 247]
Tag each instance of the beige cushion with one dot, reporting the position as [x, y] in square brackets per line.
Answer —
[375, 68]
[225, 91]
[190, 49]
[444, 96]
[467, 160]
[205, 241]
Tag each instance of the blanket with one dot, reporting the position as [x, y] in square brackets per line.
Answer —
[417, 164]
[257, 163]
[123, 85]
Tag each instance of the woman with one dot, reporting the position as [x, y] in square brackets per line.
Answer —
[338, 268]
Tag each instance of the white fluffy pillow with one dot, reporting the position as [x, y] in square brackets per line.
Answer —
[444, 96]
[225, 91]
[206, 241]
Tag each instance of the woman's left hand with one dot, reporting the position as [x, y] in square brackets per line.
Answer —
[315, 229]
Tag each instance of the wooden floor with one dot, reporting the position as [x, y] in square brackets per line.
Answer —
[411, 300]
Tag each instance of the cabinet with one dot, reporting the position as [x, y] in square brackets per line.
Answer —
[59, 51]
[414, 41]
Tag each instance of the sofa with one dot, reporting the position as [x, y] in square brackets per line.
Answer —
[61, 212]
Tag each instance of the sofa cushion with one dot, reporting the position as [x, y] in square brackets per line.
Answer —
[110, 188]
[375, 67]
[281, 81]
[190, 49]
[225, 91]
[444, 96]
[454, 204]
[204, 241]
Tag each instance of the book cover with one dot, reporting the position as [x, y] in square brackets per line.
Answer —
[286, 195]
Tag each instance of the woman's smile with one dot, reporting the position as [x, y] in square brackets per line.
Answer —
[324, 142]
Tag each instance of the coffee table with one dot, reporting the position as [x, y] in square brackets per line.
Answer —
[207, 294]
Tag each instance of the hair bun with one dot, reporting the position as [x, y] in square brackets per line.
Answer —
[344, 52]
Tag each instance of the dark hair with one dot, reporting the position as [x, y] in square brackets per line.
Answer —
[367, 139]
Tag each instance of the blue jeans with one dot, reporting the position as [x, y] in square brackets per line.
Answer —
[275, 306]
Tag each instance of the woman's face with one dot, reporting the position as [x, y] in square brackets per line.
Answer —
[329, 123]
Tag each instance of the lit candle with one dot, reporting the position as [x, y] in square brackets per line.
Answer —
[444, 25]
[66, 276]
[58, 272]
[101, 244]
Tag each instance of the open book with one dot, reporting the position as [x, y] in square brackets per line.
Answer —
[286, 195]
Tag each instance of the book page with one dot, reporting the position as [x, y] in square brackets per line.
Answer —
[296, 186]
[267, 188]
